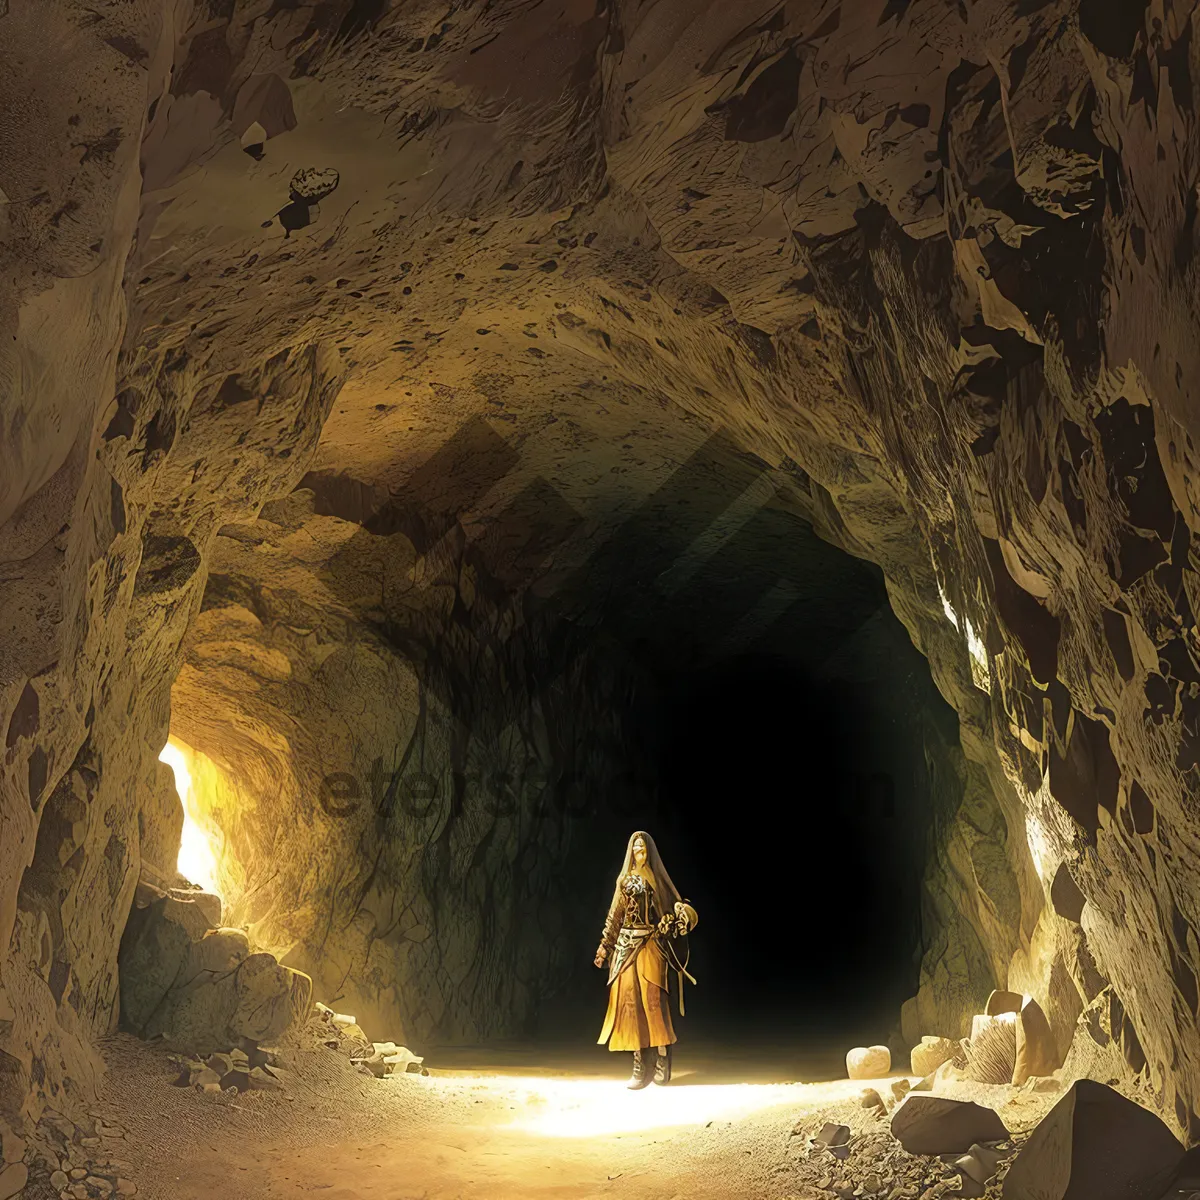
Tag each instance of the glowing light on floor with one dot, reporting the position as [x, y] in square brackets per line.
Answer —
[596, 1108]
[196, 859]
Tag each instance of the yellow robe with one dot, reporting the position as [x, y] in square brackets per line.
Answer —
[639, 1014]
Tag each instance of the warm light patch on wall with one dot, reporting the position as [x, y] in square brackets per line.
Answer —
[981, 674]
[197, 861]
[1046, 842]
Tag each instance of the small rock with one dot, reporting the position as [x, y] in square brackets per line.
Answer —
[901, 1088]
[926, 1124]
[870, 1098]
[833, 1135]
[872, 1062]
[256, 1055]
[96, 1184]
[1043, 1083]
[207, 1080]
[964, 1185]
[980, 1163]
[126, 1187]
[89, 1141]
[403, 1060]
[946, 1073]
[871, 1184]
[221, 1063]
[261, 1078]
[78, 1173]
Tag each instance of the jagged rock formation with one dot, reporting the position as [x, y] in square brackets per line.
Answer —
[932, 266]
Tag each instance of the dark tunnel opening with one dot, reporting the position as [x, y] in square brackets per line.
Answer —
[793, 784]
[797, 809]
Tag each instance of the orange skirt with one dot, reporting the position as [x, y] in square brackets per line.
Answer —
[639, 1014]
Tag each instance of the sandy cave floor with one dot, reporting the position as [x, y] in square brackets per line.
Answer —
[500, 1131]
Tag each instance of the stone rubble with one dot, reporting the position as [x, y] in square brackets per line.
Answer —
[242, 1069]
[84, 1160]
[199, 986]
[874, 1165]
[343, 1034]
[250, 1067]
[1094, 1144]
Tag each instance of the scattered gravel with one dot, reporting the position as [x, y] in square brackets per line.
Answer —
[451, 1136]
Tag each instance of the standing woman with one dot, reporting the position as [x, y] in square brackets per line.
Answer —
[641, 944]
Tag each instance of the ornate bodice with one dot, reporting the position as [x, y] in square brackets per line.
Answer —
[636, 919]
[641, 907]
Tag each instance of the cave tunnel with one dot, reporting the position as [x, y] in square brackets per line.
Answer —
[437, 444]
[790, 752]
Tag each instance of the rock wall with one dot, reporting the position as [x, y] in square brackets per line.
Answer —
[106, 518]
[396, 767]
[933, 267]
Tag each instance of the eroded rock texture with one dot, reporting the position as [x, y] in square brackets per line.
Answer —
[395, 765]
[930, 265]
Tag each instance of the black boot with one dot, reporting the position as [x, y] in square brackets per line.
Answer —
[662, 1068]
[641, 1070]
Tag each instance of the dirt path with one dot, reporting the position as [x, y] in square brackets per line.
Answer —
[455, 1135]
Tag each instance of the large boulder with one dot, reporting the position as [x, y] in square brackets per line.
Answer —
[155, 949]
[202, 989]
[926, 1124]
[1095, 1145]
